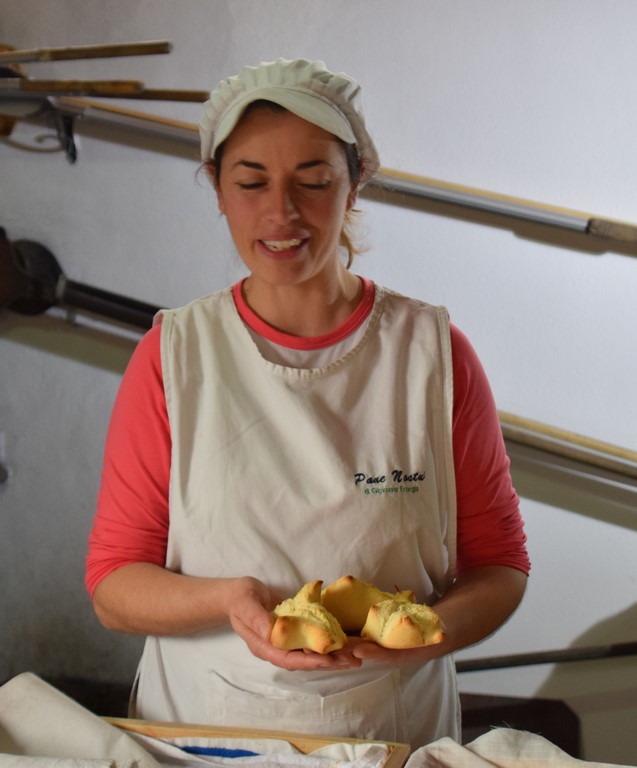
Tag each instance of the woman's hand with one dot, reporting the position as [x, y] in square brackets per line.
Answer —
[366, 650]
[250, 614]
[146, 599]
[479, 602]
[142, 598]
[476, 605]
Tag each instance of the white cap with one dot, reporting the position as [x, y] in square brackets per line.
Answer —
[306, 88]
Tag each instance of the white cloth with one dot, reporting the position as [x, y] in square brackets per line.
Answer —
[289, 475]
[272, 752]
[37, 721]
[23, 761]
[42, 728]
[499, 748]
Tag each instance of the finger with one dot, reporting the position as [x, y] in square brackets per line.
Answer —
[375, 652]
[321, 661]
[263, 649]
[256, 622]
[303, 659]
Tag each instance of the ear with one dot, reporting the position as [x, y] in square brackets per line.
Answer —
[220, 204]
[352, 198]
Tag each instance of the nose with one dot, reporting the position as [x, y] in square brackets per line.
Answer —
[282, 204]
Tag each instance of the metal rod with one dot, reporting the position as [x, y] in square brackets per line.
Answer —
[130, 311]
[391, 181]
[548, 657]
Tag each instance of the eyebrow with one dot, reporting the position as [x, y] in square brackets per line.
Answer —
[260, 167]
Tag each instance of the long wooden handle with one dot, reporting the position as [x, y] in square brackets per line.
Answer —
[457, 194]
[113, 88]
[143, 118]
[171, 94]
[121, 89]
[569, 445]
[86, 52]
[387, 174]
[612, 230]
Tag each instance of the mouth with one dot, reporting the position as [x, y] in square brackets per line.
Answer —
[280, 246]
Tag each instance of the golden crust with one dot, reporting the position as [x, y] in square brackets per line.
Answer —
[302, 622]
[295, 632]
[401, 624]
[349, 599]
[317, 620]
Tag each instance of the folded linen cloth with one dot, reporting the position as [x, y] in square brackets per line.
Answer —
[202, 752]
[22, 761]
[40, 727]
[37, 720]
[499, 748]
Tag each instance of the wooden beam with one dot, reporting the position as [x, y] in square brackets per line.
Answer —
[85, 52]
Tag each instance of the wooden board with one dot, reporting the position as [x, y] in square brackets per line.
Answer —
[306, 743]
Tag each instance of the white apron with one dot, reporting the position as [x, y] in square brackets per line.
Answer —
[290, 475]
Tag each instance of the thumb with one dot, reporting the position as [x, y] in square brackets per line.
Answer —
[264, 628]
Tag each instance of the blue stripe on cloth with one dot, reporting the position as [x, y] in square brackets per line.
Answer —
[219, 752]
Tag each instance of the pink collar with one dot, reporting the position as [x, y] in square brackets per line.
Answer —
[306, 342]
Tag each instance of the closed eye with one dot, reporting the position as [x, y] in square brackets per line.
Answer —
[316, 185]
[251, 185]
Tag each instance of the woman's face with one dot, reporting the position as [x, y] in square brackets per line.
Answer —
[284, 188]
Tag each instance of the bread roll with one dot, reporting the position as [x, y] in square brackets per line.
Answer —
[349, 599]
[398, 623]
[302, 622]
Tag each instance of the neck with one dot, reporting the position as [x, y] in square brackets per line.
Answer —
[304, 310]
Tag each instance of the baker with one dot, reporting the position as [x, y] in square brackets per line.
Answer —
[244, 421]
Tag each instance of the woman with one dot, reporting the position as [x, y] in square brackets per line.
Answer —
[301, 424]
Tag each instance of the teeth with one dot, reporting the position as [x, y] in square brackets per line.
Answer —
[281, 245]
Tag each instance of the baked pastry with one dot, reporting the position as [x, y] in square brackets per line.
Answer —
[317, 620]
[399, 623]
[302, 622]
[349, 599]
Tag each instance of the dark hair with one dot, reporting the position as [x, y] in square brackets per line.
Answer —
[213, 166]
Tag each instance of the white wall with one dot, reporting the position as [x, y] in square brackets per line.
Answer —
[526, 99]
